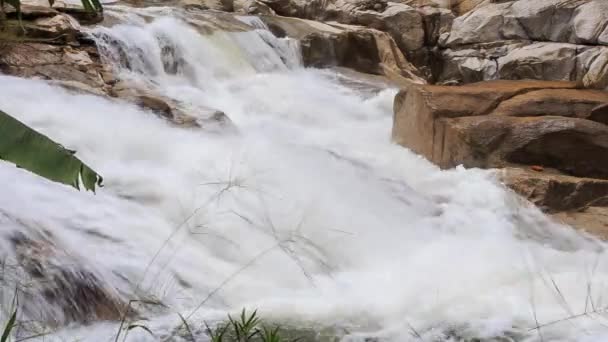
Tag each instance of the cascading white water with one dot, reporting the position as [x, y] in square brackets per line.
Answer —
[308, 213]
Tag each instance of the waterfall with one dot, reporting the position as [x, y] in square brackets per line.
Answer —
[309, 213]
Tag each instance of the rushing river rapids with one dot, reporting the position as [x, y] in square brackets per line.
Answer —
[306, 212]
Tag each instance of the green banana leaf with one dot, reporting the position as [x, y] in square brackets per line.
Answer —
[30, 150]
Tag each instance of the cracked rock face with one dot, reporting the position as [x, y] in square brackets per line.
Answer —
[459, 42]
[544, 39]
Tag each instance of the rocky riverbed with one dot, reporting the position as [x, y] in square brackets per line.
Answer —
[364, 143]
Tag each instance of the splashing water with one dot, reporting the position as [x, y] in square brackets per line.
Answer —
[309, 213]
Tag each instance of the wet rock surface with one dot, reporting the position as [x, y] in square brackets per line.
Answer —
[41, 270]
[552, 131]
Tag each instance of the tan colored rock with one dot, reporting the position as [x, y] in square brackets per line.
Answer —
[599, 114]
[556, 102]
[57, 29]
[461, 125]
[522, 39]
[58, 24]
[437, 23]
[62, 290]
[554, 192]
[170, 109]
[78, 87]
[597, 71]
[298, 28]
[570, 145]
[252, 7]
[540, 61]
[565, 21]
[593, 220]
[51, 62]
[218, 5]
[402, 22]
[31, 10]
[362, 49]
[461, 7]
[304, 9]
[587, 65]
[579, 202]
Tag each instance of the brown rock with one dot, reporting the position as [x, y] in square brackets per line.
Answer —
[51, 62]
[559, 102]
[579, 202]
[31, 11]
[417, 109]
[462, 125]
[554, 192]
[437, 22]
[362, 49]
[170, 109]
[599, 114]
[56, 29]
[461, 7]
[252, 7]
[593, 220]
[71, 292]
[77, 87]
[402, 22]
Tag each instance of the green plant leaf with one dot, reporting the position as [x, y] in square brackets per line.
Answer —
[35, 152]
[187, 326]
[88, 6]
[97, 5]
[140, 326]
[217, 334]
[9, 327]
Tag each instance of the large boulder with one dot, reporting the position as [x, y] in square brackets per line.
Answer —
[170, 109]
[252, 7]
[53, 284]
[520, 39]
[579, 202]
[306, 9]
[52, 62]
[593, 220]
[32, 9]
[46, 26]
[401, 21]
[359, 48]
[596, 67]
[217, 5]
[550, 139]
[514, 60]
[566, 21]
[554, 192]
[501, 123]
[437, 22]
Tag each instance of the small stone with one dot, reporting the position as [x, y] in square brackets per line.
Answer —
[537, 168]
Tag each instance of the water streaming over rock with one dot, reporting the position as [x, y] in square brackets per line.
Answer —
[307, 213]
